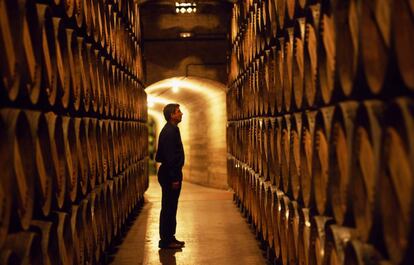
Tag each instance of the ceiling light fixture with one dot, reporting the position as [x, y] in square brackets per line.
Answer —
[186, 35]
[175, 86]
[185, 7]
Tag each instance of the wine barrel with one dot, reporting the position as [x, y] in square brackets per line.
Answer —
[262, 209]
[97, 239]
[260, 147]
[112, 196]
[122, 144]
[8, 257]
[74, 66]
[279, 71]
[250, 193]
[265, 24]
[122, 196]
[327, 53]
[93, 78]
[113, 32]
[375, 41]
[347, 43]
[276, 221]
[112, 147]
[358, 253]
[110, 208]
[27, 247]
[403, 32]
[101, 220]
[366, 152]
[262, 89]
[255, 88]
[304, 236]
[5, 183]
[294, 159]
[396, 181]
[288, 68]
[99, 85]
[102, 33]
[277, 152]
[284, 228]
[281, 12]
[95, 18]
[49, 62]
[22, 151]
[317, 243]
[311, 54]
[56, 143]
[107, 148]
[267, 152]
[78, 234]
[83, 68]
[320, 161]
[256, 204]
[82, 151]
[103, 85]
[48, 237]
[11, 48]
[107, 86]
[293, 233]
[104, 225]
[298, 62]
[269, 83]
[62, 61]
[112, 89]
[285, 153]
[124, 94]
[101, 172]
[117, 147]
[32, 52]
[272, 18]
[87, 16]
[269, 191]
[337, 237]
[340, 149]
[117, 202]
[129, 190]
[69, 6]
[70, 155]
[91, 148]
[88, 233]
[63, 228]
[79, 12]
[117, 89]
[45, 172]
[245, 190]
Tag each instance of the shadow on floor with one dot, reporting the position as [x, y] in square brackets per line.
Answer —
[167, 256]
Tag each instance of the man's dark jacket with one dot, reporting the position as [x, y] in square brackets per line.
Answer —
[170, 154]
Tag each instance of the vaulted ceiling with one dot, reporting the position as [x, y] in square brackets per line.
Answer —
[203, 54]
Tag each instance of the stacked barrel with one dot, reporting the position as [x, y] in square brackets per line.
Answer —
[73, 128]
[320, 128]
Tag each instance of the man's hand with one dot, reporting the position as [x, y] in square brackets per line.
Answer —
[175, 185]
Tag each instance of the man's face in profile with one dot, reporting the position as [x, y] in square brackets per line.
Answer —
[177, 115]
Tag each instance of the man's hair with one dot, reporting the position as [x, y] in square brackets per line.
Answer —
[170, 109]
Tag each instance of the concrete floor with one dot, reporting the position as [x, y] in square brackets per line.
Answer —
[209, 223]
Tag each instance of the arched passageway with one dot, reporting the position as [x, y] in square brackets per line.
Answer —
[203, 128]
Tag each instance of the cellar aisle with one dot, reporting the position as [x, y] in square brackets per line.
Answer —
[209, 223]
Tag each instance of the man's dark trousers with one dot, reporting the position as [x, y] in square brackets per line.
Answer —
[168, 216]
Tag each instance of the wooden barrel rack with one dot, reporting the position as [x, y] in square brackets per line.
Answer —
[320, 123]
[73, 116]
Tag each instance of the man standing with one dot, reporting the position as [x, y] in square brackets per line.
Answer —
[170, 154]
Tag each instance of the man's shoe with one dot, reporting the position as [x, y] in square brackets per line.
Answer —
[178, 241]
[170, 245]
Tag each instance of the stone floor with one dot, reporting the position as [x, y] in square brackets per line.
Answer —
[209, 223]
